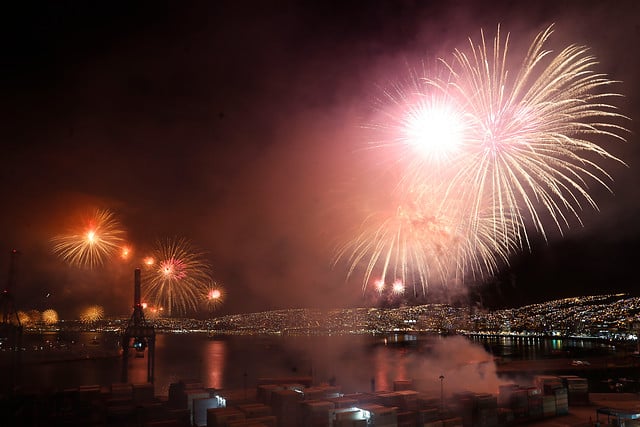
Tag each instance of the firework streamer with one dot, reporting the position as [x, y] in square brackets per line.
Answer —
[91, 244]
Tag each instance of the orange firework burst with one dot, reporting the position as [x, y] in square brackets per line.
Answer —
[151, 313]
[34, 316]
[177, 278]
[125, 252]
[95, 241]
[215, 296]
[92, 314]
[24, 318]
[50, 317]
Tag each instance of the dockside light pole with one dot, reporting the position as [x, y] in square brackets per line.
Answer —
[441, 393]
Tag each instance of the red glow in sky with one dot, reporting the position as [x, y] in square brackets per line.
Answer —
[241, 128]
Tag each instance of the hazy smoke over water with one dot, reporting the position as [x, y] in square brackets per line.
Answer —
[465, 366]
[359, 364]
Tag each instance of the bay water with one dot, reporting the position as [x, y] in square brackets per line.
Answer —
[357, 363]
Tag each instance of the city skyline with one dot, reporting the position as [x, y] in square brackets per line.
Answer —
[612, 318]
[241, 129]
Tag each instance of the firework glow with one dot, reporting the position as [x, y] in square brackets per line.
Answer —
[379, 285]
[93, 243]
[214, 297]
[422, 125]
[398, 287]
[530, 149]
[125, 252]
[177, 278]
[487, 155]
[50, 317]
[92, 314]
[421, 242]
[24, 318]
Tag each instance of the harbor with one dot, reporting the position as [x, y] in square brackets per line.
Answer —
[298, 402]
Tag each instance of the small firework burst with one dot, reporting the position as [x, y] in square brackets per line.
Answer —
[50, 317]
[92, 243]
[177, 278]
[214, 296]
[92, 314]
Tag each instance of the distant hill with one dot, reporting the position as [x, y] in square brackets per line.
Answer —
[615, 315]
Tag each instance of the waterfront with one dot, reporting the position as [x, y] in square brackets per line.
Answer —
[354, 362]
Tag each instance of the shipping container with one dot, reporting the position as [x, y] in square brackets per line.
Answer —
[220, 417]
[316, 413]
[452, 422]
[548, 406]
[254, 410]
[399, 385]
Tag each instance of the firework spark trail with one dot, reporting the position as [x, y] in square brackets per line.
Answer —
[421, 242]
[24, 318]
[91, 244]
[50, 316]
[529, 149]
[214, 296]
[178, 277]
[420, 126]
[92, 314]
[524, 150]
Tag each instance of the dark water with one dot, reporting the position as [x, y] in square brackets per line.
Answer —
[355, 362]
[531, 348]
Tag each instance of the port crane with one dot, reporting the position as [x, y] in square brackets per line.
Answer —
[138, 335]
[10, 327]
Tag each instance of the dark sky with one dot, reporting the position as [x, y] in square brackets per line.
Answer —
[237, 124]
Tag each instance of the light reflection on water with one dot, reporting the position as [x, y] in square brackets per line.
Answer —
[355, 362]
[531, 348]
[214, 363]
[182, 357]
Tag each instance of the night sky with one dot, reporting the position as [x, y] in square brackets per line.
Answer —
[238, 125]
